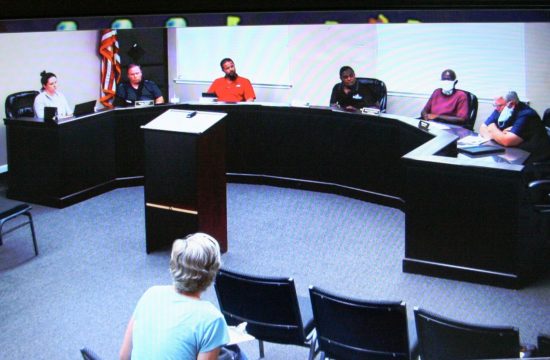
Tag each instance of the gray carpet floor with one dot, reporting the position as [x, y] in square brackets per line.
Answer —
[92, 269]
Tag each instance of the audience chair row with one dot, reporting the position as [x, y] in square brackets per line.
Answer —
[339, 327]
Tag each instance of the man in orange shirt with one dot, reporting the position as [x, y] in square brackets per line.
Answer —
[232, 87]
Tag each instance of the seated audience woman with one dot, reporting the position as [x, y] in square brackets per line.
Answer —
[172, 322]
[49, 96]
[447, 104]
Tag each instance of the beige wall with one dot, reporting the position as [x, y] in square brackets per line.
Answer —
[315, 54]
[537, 67]
[72, 56]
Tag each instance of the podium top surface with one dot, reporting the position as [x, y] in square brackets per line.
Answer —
[178, 121]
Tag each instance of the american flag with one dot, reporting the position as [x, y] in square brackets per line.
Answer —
[110, 66]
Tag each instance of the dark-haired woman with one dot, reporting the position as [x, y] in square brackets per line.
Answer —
[49, 96]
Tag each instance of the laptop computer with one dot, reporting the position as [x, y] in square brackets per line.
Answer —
[208, 98]
[84, 108]
[50, 113]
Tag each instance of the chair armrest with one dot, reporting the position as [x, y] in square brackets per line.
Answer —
[539, 192]
[541, 169]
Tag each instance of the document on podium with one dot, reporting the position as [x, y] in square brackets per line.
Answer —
[185, 121]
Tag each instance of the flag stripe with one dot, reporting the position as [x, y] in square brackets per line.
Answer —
[110, 66]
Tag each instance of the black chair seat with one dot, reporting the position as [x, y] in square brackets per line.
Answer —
[10, 209]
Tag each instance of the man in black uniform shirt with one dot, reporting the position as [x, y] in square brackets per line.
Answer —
[350, 94]
[137, 89]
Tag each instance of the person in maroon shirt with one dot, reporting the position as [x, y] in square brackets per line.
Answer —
[447, 104]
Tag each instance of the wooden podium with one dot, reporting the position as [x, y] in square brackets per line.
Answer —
[185, 187]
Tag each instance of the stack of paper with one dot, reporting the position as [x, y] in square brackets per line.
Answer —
[472, 140]
[238, 334]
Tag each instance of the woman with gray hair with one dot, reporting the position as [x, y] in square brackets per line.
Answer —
[172, 322]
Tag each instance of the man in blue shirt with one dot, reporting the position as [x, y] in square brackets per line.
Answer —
[515, 124]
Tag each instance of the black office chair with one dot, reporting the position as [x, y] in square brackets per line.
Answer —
[440, 338]
[356, 329]
[10, 210]
[543, 345]
[20, 104]
[269, 305]
[546, 120]
[472, 110]
[88, 354]
[539, 192]
[378, 88]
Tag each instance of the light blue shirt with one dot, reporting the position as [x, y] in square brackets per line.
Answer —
[168, 325]
[57, 100]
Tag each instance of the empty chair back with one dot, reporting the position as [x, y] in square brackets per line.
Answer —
[20, 104]
[440, 338]
[355, 329]
[543, 343]
[378, 88]
[269, 306]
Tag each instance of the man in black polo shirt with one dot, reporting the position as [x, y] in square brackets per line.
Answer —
[350, 94]
[137, 89]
